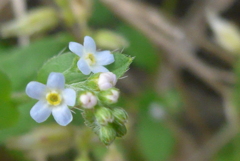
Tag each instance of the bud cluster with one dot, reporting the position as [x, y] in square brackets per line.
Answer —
[97, 101]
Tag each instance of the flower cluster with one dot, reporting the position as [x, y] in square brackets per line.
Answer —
[95, 96]
[107, 121]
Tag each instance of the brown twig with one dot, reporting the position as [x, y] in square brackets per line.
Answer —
[172, 42]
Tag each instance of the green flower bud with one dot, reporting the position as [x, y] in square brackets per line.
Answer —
[107, 39]
[120, 115]
[109, 96]
[104, 116]
[120, 129]
[107, 134]
[88, 115]
[36, 21]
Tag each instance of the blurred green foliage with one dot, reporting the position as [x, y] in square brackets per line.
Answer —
[9, 113]
[20, 65]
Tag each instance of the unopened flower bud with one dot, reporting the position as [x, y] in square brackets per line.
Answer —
[120, 129]
[101, 81]
[108, 39]
[36, 21]
[107, 80]
[120, 115]
[87, 100]
[104, 116]
[226, 33]
[107, 134]
[109, 96]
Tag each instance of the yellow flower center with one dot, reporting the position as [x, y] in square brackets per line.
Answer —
[54, 98]
[90, 58]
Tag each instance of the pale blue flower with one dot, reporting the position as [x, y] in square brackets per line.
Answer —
[53, 98]
[90, 59]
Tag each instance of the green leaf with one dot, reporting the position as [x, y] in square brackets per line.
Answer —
[230, 151]
[121, 64]
[66, 64]
[9, 113]
[24, 124]
[102, 16]
[5, 86]
[171, 101]
[156, 140]
[22, 63]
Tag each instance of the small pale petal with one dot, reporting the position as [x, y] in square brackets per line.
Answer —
[69, 96]
[107, 80]
[105, 86]
[88, 100]
[36, 90]
[40, 111]
[76, 48]
[89, 45]
[83, 67]
[97, 69]
[62, 115]
[56, 80]
[104, 57]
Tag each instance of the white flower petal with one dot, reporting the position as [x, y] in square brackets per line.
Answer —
[107, 80]
[40, 111]
[88, 100]
[97, 69]
[62, 115]
[56, 80]
[83, 67]
[69, 96]
[104, 57]
[89, 45]
[36, 90]
[76, 48]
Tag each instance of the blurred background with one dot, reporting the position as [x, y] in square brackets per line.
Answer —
[181, 91]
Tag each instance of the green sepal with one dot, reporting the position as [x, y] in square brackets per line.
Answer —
[120, 65]
[120, 115]
[92, 82]
[103, 96]
[103, 115]
[120, 129]
[88, 115]
[107, 134]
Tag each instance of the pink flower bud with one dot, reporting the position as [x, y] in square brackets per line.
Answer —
[107, 80]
